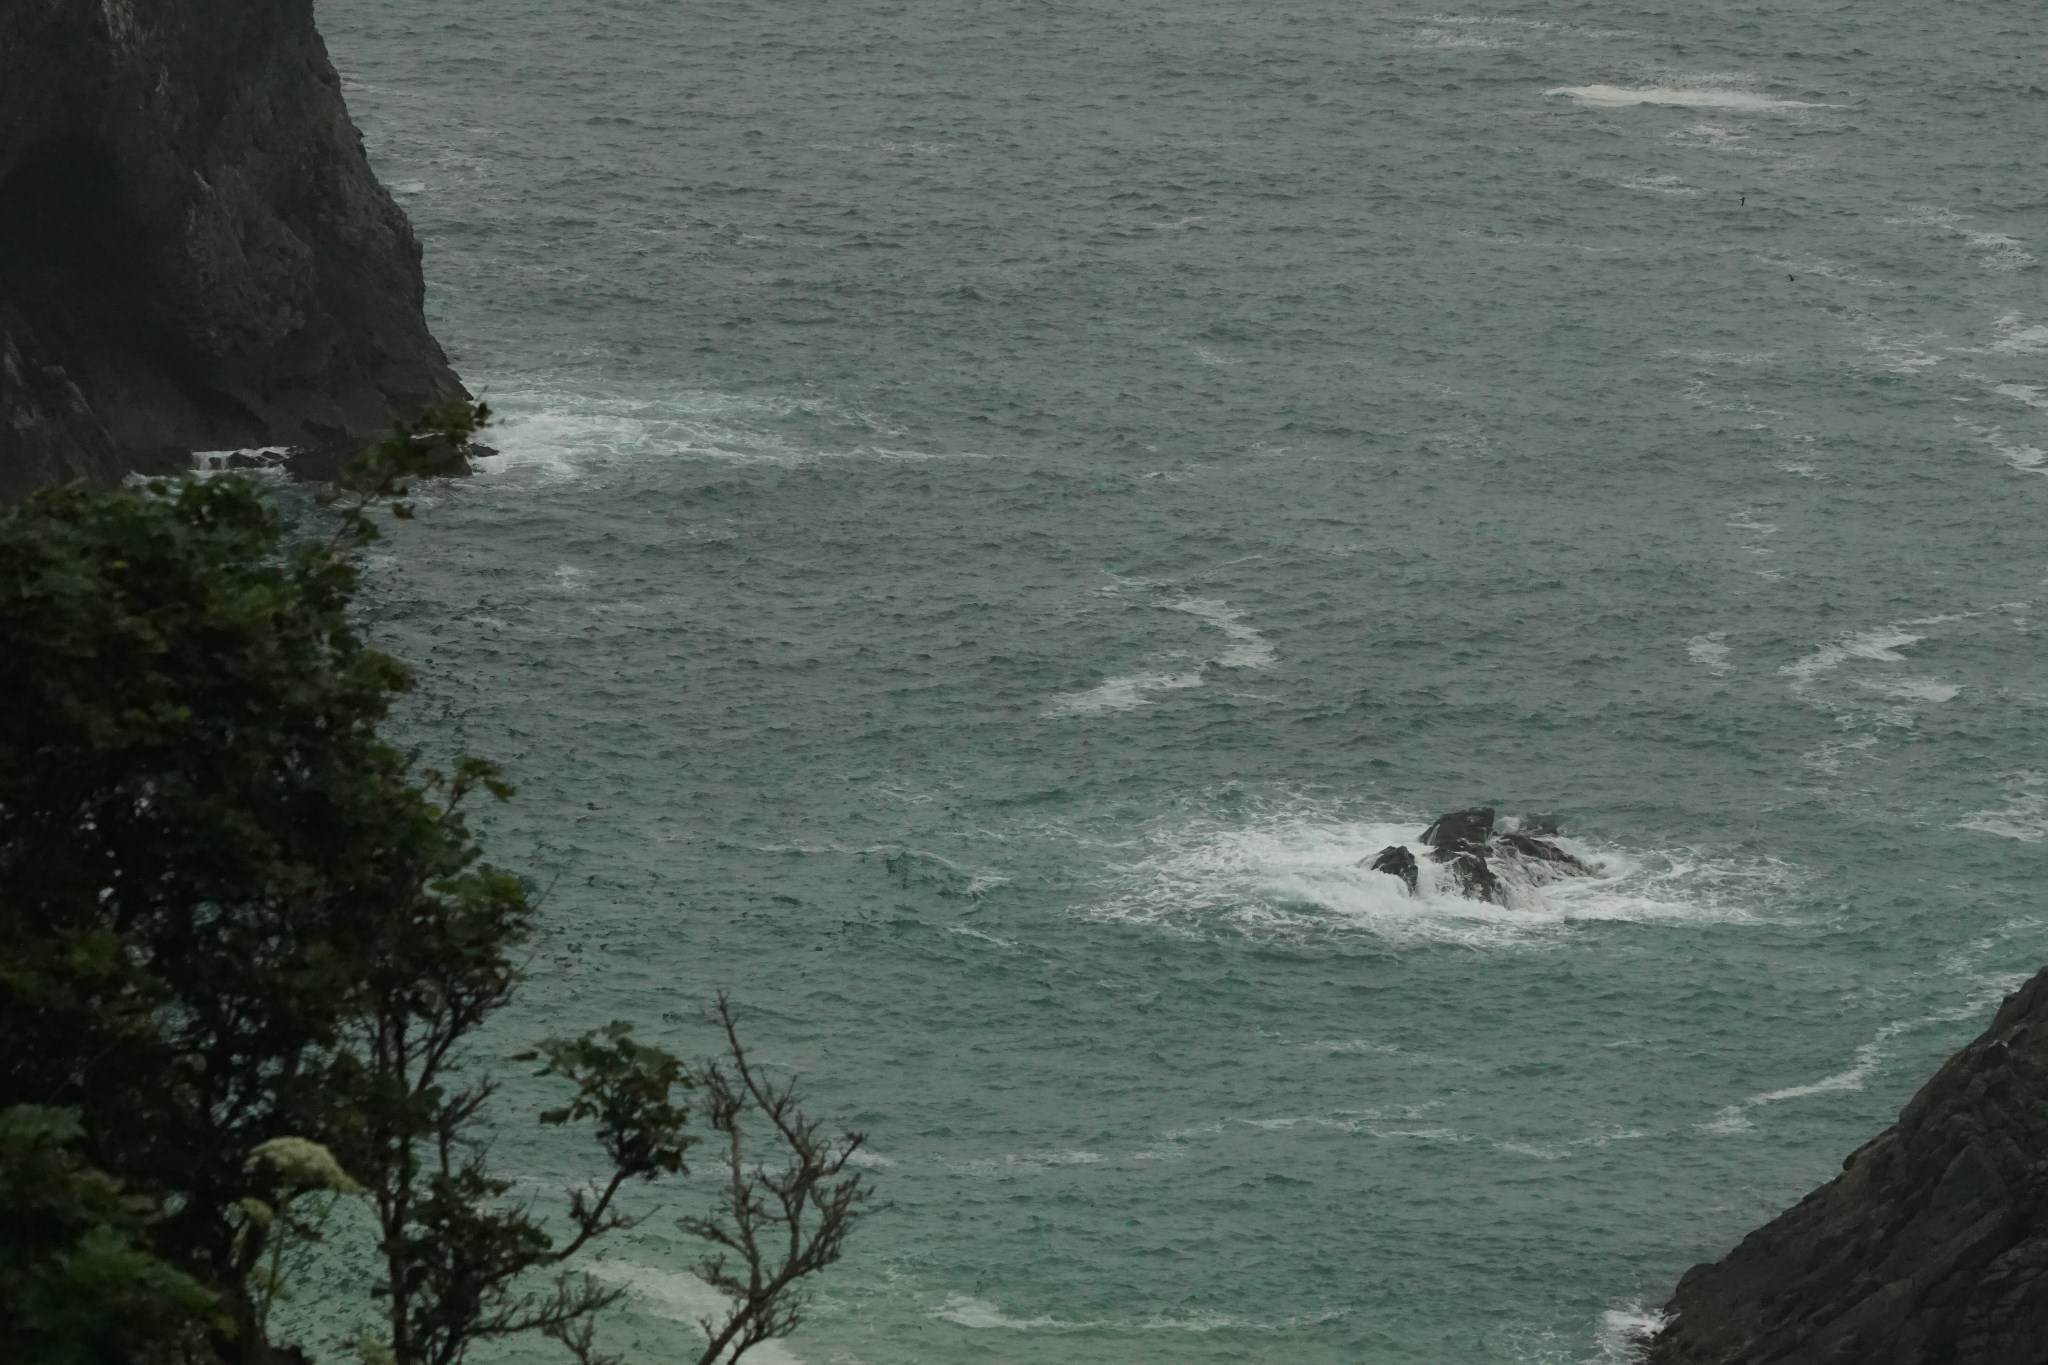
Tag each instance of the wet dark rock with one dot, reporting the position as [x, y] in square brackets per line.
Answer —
[1931, 1246]
[1396, 861]
[1529, 846]
[194, 254]
[1467, 829]
[1472, 875]
[1464, 844]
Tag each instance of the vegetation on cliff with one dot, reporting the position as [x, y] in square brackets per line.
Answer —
[246, 946]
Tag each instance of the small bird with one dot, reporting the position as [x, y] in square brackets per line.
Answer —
[1792, 277]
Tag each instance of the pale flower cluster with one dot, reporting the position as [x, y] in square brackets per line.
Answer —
[305, 1163]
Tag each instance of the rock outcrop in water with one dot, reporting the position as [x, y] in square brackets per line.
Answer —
[1465, 845]
[1931, 1247]
[194, 253]
[1397, 861]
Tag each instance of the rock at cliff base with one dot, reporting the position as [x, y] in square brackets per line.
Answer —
[1930, 1247]
[194, 253]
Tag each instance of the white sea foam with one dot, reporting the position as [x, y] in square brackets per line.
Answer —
[2033, 395]
[868, 1157]
[1244, 648]
[1351, 1045]
[1700, 97]
[1829, 757]
[1669, 185]
[1625, 1333]
[1299, 877]
[1023, 1163]
[1737, 1118]
[1875, 695]
[1927, 215]
[1870, 1057]
[967, 1310]
[1900, 357]
[2023, 817]
[1121, 694]
[558, 434]
[966, 932]
[1931, 690]
[1713, 136]
[1859, 680]
[1497, 21]
[678, 1296]
[1881, 646]
[2002, 253]
[1709, 651]
[262, 461]
[1247, 648]
[2014, 337]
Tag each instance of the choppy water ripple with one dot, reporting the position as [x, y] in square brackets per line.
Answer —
[1001, 509]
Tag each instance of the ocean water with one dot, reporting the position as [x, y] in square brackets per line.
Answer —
[1002, 506]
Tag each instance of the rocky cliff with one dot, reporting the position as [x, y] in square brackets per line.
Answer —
[193, 251]
[1931, 1246]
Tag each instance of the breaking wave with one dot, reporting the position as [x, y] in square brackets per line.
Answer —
[1299, 877]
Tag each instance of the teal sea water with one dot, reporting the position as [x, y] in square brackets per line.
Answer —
[1003, 505]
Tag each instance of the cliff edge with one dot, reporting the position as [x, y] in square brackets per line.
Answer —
[1931, 1246]
[193, 252]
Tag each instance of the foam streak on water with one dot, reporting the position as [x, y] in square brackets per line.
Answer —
[1001, 510]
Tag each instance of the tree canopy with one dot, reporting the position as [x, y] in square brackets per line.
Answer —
[233, 915]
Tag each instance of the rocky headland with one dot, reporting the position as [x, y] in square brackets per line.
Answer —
[194, 254]
[1930, 1248]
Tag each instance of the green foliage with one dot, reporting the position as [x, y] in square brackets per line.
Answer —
[76, 1285]
[247, 946]
[210, 862]
[414, 450]
[625, 1086]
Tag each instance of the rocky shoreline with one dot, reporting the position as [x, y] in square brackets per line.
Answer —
[1931, 1247]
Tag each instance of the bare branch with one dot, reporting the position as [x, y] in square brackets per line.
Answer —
[806, 1207]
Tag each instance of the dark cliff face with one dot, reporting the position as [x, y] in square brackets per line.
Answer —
[1931, 1246]
[193, 251]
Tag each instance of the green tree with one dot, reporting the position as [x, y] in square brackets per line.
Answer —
[79, 1288]
[232, 913]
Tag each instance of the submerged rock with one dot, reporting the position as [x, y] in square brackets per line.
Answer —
[194, 254]
[1931, 1246]
[1396, 861]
